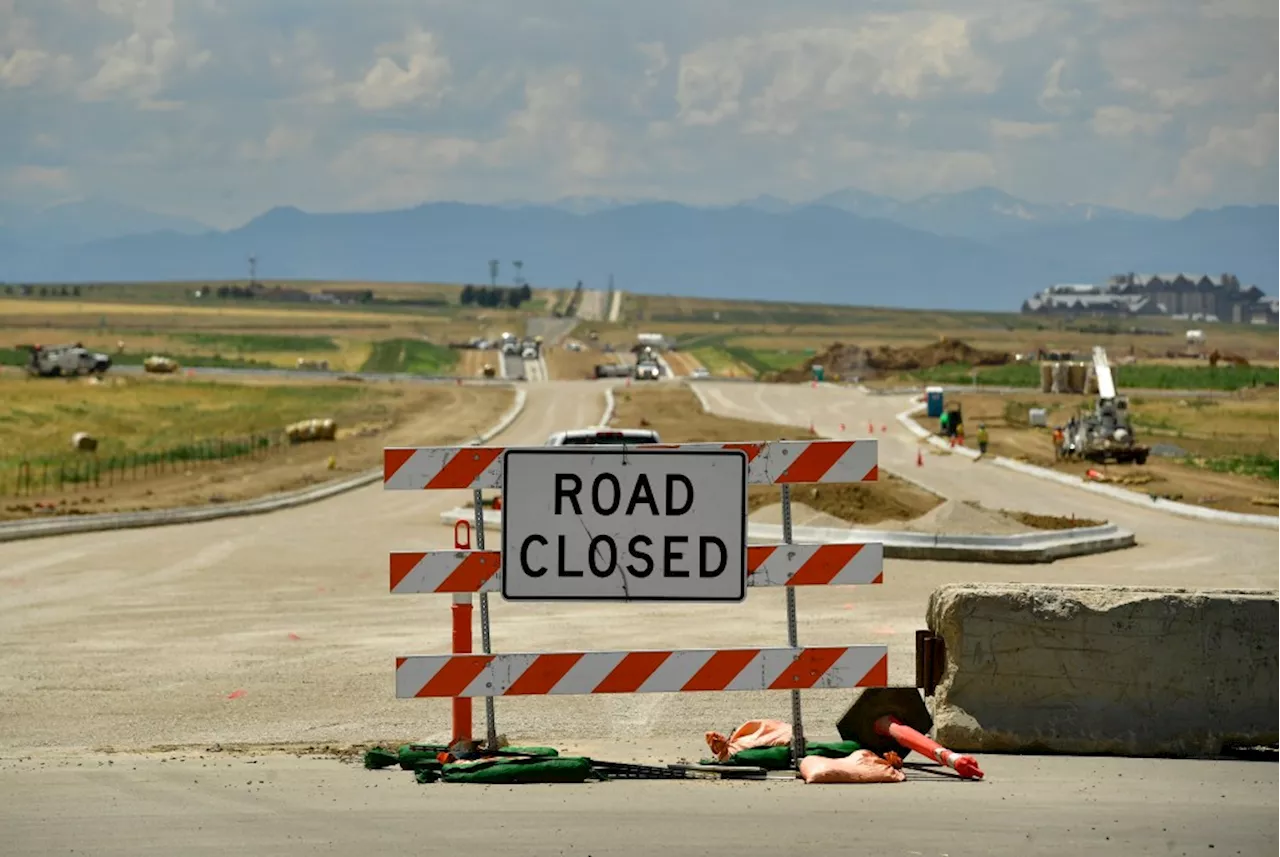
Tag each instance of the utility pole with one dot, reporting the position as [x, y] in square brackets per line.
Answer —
[493, 272]
[253, 271]
[519, 280]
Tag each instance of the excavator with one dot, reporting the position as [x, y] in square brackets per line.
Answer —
[1106, 434]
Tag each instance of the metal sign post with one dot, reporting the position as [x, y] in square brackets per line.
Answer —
[491, 726]
[793, 639]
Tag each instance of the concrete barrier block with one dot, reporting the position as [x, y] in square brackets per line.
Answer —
[1105, 669]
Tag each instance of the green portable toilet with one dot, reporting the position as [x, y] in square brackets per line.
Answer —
[818, 373]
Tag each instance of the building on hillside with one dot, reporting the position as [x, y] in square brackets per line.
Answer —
[1200, 297]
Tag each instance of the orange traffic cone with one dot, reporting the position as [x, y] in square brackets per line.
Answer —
[871, 428]
[919, 458]
[842, 427]
[497, 503]
[883, 429]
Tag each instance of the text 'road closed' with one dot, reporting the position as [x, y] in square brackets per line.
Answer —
[615, 524]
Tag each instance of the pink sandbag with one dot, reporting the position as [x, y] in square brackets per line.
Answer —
[748, 736]
[862, 766]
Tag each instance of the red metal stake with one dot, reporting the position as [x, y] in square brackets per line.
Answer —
[965, 766]
[461, 615]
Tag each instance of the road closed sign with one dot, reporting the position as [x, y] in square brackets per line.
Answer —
[607, 524]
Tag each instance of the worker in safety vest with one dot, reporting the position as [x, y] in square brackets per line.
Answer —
[1057, 442]
[982, 438]
[942, 422]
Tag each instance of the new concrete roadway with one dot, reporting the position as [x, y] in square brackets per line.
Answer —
[279, 629]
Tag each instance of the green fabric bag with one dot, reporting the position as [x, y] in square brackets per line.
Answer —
[414, 756]
[779, 758]
[565, 769]
[532, 751]
[427, 775]
[378, 758]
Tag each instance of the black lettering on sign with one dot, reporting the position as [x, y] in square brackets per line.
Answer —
[524, 556]
[634, 547]
[595, 494]
[672, 479]
[564, 549]
[703, 569]
[643, 493]
[602, 569]
[571, 494]
[669, 556]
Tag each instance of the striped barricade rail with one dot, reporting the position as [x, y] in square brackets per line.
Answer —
[460, 572]
[783, 462]
[423, 572]
[678, 671]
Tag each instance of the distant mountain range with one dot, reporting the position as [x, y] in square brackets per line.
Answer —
[979, 249]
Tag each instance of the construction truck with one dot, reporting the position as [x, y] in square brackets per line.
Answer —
[54, 361]
[1106, 433]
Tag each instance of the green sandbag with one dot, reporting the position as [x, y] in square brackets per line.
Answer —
[779, 758]
[378, 758]
[427, 775]
[565, 769]
[532, 751]
[413, 757]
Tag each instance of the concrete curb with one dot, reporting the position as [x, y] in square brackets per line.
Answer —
[609, 404]
[1172, 507]
[1021, 548]
[15, 531]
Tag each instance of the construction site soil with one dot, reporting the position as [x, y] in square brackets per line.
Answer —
[847, 361]
[675, 413]
[1244, 425]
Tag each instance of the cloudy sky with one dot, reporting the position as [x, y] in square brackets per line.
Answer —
[219, 109]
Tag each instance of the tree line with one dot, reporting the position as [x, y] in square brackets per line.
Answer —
[496, 296]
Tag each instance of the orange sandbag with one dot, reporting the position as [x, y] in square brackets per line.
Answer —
[752, 734]
[862, 766]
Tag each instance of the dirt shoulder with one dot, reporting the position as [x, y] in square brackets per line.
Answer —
[1197, 434]
[410, 414]
[674, 411]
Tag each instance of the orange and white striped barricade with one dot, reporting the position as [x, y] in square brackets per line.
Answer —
[461, 572]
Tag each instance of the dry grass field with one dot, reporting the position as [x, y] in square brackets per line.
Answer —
[1223, 449]
[674, 412]
[166, 442]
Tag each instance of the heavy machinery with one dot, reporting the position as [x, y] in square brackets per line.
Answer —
[1106, 434]
[53, 361]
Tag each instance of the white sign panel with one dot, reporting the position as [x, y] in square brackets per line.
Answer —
[609, 524]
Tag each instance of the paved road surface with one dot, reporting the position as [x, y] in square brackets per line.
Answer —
[593, 306]
[300, 807]
[139, 638]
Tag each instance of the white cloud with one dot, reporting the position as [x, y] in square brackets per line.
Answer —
[235, 107]
[44, 178]
[1122, 123]
[409, 71]
[1005, 131]
[26, 67]
[1212, 168]
[816, 70]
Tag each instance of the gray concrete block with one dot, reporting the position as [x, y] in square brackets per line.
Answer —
[1105, 669]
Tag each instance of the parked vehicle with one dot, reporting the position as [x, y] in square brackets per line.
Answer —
[603, 436]
[53, 361]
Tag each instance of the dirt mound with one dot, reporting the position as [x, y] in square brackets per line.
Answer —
[841, 360]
